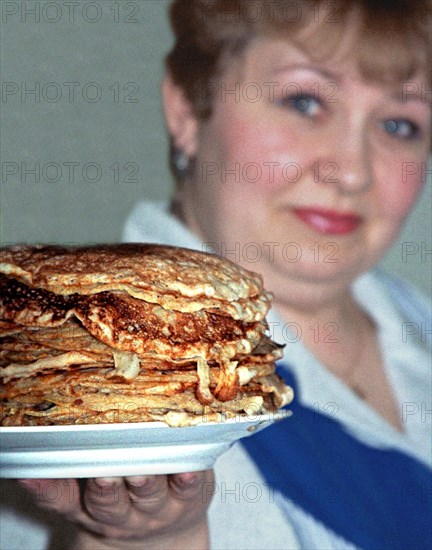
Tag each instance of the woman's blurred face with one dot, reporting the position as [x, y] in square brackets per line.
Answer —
[305, 171]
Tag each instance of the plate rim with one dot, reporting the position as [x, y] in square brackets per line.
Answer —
[114, 426]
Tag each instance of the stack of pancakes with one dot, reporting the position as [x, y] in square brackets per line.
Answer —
[132, 333]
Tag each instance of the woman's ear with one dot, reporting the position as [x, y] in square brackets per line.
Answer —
[181, 121]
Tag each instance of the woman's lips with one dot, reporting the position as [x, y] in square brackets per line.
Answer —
[329, 222]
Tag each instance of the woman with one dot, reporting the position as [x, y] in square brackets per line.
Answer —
[292, 125]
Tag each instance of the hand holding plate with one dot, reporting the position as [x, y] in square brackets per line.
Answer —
[158, 511]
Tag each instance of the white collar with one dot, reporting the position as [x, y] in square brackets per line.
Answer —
[406, 364]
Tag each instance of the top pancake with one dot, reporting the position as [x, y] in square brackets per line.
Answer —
[176, 278]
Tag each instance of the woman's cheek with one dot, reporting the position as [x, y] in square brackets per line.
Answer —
[399, 196]
[263, 157]
[265, 168]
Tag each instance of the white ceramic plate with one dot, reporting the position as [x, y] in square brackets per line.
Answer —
[106, 450]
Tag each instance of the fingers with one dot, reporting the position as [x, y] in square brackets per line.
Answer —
[148, 494]
[131, 507]
[109, 500]
[106, 500]
[192, 485]
[152, 493]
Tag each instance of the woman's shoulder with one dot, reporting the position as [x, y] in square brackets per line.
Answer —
[152, 221]
[388, 289]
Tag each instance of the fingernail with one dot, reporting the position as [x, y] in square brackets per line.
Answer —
[138, 481]
[105, 481]
[188, 478]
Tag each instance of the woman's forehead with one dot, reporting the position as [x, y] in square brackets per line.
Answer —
[380, 62]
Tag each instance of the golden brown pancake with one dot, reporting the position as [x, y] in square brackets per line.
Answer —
[176, 278]
[128, 333]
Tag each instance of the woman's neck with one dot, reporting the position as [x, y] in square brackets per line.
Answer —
[344, 339]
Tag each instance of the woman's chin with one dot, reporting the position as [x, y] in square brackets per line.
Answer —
[312, 273]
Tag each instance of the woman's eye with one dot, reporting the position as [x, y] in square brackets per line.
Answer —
[304, 104]
[401, 128]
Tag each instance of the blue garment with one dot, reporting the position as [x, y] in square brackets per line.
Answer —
[375, 498]
[372, 497]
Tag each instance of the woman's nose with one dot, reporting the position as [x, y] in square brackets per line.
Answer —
[349, 159]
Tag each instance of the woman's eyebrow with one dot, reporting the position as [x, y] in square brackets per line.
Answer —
[289, 67]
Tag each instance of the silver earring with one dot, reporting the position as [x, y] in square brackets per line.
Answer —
[180, 162]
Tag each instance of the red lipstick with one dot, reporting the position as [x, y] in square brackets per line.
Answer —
[329, 222]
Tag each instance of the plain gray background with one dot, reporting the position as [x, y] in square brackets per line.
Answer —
[82, 132]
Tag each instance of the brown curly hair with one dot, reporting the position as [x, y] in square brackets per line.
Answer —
[394, 36]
